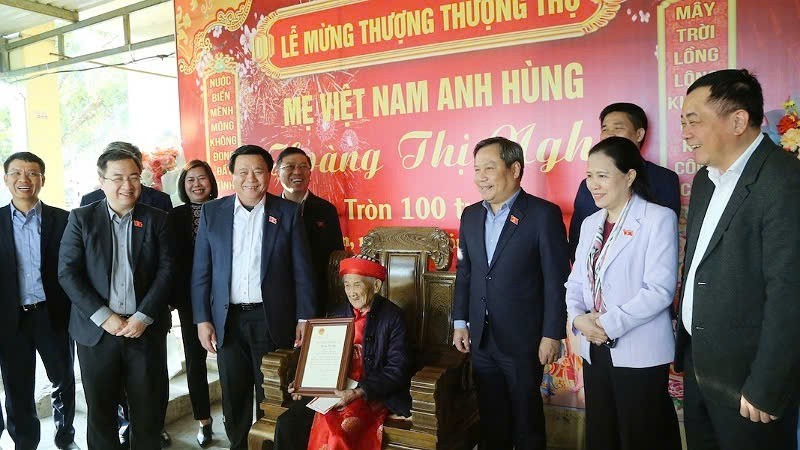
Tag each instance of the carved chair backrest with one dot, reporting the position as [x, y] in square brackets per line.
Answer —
[424, 295]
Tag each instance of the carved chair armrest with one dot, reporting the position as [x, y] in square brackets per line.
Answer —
[442, 394]
[278, 369]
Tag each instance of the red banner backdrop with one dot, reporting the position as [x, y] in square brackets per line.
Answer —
[389, 98]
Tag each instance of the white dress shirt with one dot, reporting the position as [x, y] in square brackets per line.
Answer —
[248, 233]
[121, 293]
[724, 185]
[302, 205]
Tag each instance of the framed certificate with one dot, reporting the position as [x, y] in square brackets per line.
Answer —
[324, 357]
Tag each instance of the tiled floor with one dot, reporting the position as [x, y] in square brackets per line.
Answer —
[180, 424]
[183, 433]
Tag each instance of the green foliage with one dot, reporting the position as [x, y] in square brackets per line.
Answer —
[94, 107]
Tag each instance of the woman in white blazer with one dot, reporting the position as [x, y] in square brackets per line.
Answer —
[619, 296]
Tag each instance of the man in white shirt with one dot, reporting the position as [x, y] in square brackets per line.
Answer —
[740, 305]
[251, 284]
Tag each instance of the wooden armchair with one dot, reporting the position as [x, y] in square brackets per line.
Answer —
[444, 412]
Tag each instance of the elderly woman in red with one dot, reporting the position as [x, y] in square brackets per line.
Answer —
[380, 364]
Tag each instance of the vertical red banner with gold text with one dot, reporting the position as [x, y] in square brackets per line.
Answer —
[221, 113]
[694, 38]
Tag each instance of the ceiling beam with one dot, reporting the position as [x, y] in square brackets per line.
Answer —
[82, 24]
[91, 56]
[41, 8]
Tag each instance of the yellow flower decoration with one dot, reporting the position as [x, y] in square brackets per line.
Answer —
[791, 139]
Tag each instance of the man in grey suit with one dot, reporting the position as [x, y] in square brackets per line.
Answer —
[115, 264]
[740, 306]
[252, 284]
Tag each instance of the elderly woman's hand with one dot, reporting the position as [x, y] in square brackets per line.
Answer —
[347, 396]
[290, 390]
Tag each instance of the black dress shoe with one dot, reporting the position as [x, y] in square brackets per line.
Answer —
[204, 435]
[166, 441]
[70, 446]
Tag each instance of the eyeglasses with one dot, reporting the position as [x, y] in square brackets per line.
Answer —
[119, 181]
[17, 174]
[292, 167]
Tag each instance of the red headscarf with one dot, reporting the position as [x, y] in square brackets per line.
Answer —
[362, 265]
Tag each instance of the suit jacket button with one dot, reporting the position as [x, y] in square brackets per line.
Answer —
[226, 306]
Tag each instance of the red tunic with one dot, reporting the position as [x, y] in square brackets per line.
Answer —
[359, 426]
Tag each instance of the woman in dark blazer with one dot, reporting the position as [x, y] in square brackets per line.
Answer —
[196, 186]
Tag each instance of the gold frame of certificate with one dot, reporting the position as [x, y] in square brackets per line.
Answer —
[324, 357]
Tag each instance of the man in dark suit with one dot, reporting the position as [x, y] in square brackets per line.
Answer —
[151, 197]
[115, 264]
[737, 323]
[629, 121]
[252, 284]
[509, 305]
[319, 216]
[160, 200]
[34, 310]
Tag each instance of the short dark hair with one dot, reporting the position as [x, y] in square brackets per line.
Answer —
[23, 156]
[291, 151]
[510, 151]
[634, 112]
[182, 180]
[733, 89]
[626, 156]
[116, 154]
[127, 146]
[250, 150]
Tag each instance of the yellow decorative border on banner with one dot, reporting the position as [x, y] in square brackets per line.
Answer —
[662, 67]
[266, 44]
[231, 20]
[220, 64]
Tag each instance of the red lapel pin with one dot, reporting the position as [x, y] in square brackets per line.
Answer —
[627, 232]
[320, 224]
[514, 220]
[137, 223]
[273, 220]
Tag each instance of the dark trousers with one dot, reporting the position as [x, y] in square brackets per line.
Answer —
[293, 427]
[119, 364]
[196, 371]
[509, 399]
[711, 426]
[628, 408]
[18, 365]
[239, 358]
[123, 414]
